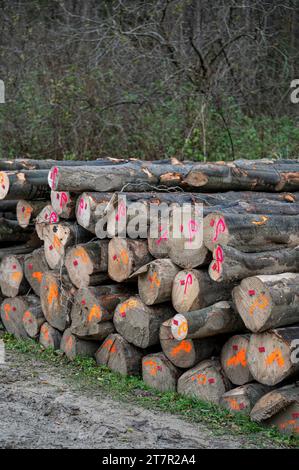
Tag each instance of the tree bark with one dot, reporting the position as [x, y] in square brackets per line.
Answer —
[270, 355]
[10, 231]
[250, 233]
[216, 319]
[234, 359]
[230, 264]
[119, 355]
[138, 323]
[83, 261]
[159, 373]
[25, 184]
[268, 301]
[205, 381]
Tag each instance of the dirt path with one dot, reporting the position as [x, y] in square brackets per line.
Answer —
[41, 408]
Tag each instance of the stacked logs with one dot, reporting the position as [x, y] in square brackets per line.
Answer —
[218, 321]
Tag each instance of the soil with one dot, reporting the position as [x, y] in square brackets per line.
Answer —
[41, 406]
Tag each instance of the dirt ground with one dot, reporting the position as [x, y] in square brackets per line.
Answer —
[41, 407]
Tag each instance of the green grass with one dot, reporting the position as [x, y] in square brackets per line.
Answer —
[87, 374]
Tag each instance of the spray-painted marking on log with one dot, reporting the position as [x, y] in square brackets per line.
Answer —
[131, 303]
[45, 333]
[238, 359]
[179, 327]
[38, 276]
[193, 228]
[95, 312]
[185, 346]
[121, 211]
[69, 343]
[27, 316]
[202, 379]
[154, 280]
[81, 206]
[234, 404]
[16, 276]
[53, 218]
[260, 302]
[220, 228]
[293, 423]
[63, 199]
[79, 252]
[153, 367]
[7, 309]
[52, 177]
[262, 221]
[219, 259]
[275, 356]
[163, 236]
[53, 293]
[109, 344]
[56, 243]
[123, 256]
[186, 282]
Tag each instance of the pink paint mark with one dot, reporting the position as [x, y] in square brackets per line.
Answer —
[219, 259]
[189, 281]
[251, 292]
[83, 302]
[211, 381]
[30, 266]
[220, 228]
[81, 206]
[262, 349]
[181, 228]
[164, 235]
[121, 211]
[182, 282]
[53, 176]
[75, 263]
[212, 223]
[46, 216]
[57, 196]
[51, 247]
[159, 368]
[175, 322]
[193, 228]
[53, 218]
[114, 257]
[63, 199]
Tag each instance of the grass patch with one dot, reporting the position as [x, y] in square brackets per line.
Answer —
[86, 373]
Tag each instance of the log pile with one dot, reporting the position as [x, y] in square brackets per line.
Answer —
[217, 320]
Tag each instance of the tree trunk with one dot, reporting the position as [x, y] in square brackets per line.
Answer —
[33, 318]
[270, 355]
[186, 353]
[73, 346]
[205, 381]
[90, 208]
[64, 204]
[12, 313]
[155, 281]
[279, 408]
[242, 399]
[210, 321]
[10, 231]
[126, 256]
[58, 237]
[138, 323]
[251, 233]
[82, 261]
[31, 164]
[12, 279]
[35, 265]
[193, 289]
[234, 359]
[244, 175]
[25, 184]
[119, 355]
[230, 264]
[49, 337]
[21, 249]
[268, 301]
[56, 294]
[159, 373]
[28, 210]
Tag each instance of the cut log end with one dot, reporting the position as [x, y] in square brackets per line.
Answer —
[49, 337]
[12, 312]
[234, 359]
[159, 373]
[4, 184]
[126, 256]
[215, 230]
[63, 204]
[155, 285]
[12, 281]
[73, 346]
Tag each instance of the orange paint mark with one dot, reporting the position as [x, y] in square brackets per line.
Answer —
[53, 293]
[95, 312]
[81, 253]
[27, 315]
[239, 358]
[277, 356]
[260, 302]
[109, 344]
[154, 280]
[7, 309]
[56, 242]
[200, 378]
[184, 346]
[262, 221]
[38, 276]
[124, 256]
[45, 333]
[16, 276]
[234, 404]
[152, 365]
[131, 303]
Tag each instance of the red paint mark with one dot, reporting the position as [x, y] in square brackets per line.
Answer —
[181, 228]
[159, 368]
[164, 235]
[51, 247]
[53, 176]
[114, 257]
[53, 218]
[14, 309]
[193, 228]
[212, 223]
[175, 322]
[189, 281]
[262, 349]
[14, 266]
[295, 415]
[46, 216]
[23, 209]
[81, 206]
[57, 196]
[30, 266]
[219, 259]
[63, 199]
[75, 263]
[83, 302]
[251, 292]
[121, 211]
[241, 406]
[211, 381]
[235, 347]
[220, 228]
[122, 314]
